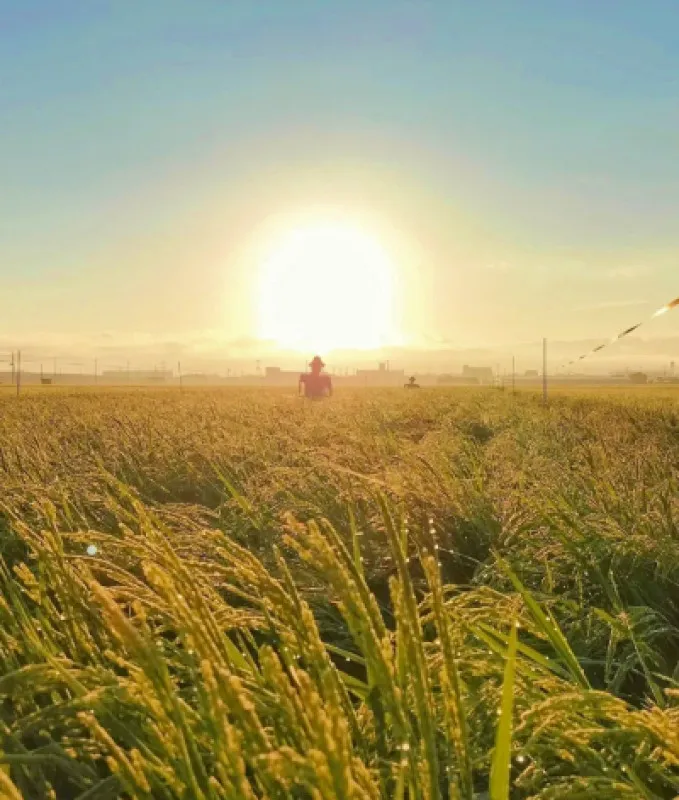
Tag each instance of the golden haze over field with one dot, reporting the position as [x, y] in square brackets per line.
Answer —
[339, 404]
[167, 556]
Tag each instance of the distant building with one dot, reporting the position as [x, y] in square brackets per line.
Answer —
[380, 377]
[456, 380]
[205, 377]
[275, 376]
[531, 373]
[638, 377]
[137, 375]
[482, 374]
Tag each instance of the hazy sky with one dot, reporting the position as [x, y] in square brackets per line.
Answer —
[521, 158]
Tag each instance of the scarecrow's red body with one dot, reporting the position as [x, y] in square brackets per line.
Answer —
[316, 385]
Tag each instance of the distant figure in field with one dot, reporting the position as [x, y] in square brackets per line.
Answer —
[411, 384]
[315, 384]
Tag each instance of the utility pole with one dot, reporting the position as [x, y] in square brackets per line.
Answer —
[513, 375]
[544, 371]
[18, 372]
[13, 369]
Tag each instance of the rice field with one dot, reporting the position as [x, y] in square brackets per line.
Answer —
[438, 594]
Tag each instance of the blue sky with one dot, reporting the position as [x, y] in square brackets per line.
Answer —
[525, 150]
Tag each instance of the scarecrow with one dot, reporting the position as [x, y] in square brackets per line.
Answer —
[315, 384]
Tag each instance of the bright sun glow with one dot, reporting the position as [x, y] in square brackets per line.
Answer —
[327, 288]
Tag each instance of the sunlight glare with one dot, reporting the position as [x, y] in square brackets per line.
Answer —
[325, 288]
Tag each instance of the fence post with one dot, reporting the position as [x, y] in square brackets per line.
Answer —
[544, 371]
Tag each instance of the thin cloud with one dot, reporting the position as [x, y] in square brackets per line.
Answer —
[210, 351]
[628, 272]
[498, 266]
[606, 304]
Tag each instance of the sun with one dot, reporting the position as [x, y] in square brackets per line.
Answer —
[327, 287]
